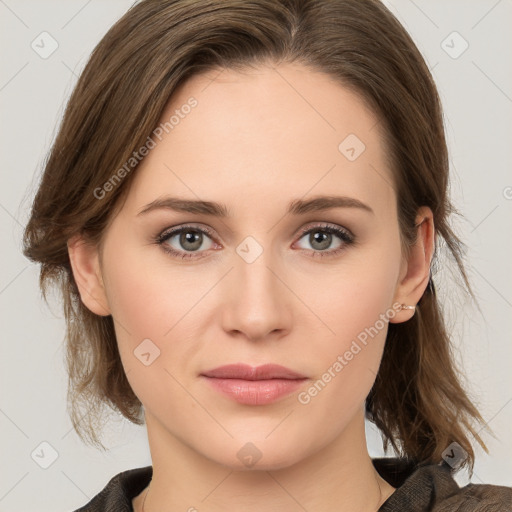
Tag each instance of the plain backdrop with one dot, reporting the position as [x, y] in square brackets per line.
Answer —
[467, 45]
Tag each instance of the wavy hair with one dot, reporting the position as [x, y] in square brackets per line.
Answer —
[417, 401]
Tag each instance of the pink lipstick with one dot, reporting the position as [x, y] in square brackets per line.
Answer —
[258, 385]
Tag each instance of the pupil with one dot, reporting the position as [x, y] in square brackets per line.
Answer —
[324, 239]
[191, 237]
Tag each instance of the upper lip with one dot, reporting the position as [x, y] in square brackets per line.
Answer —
[247, 372]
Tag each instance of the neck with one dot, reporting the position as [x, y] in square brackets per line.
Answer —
[341, 477]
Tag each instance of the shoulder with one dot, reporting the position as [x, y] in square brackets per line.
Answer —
[447, 496]
[120, 490]
[431, 487]
[477, 498]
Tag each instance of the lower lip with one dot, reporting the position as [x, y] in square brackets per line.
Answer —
[256, 392]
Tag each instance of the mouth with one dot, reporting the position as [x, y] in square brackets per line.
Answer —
[259, 385]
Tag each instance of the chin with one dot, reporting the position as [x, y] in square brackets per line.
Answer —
[258, 456]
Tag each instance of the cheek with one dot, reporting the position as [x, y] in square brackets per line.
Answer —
[357, 293]
[347, 362]
[355, 310]
[147, 296]
[145, 304]
[160, 301]
[146, 309]
[358, 334]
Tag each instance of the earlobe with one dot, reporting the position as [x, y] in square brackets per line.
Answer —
[415, 278]
[84, 259]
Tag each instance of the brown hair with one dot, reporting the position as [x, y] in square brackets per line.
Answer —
[417, 400]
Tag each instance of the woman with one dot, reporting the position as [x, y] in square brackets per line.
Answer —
[291, 145]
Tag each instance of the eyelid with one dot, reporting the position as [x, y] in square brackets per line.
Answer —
[323, 225]
[326, 226]
[166, 233]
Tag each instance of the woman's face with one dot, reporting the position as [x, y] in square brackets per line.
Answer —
[273, 281]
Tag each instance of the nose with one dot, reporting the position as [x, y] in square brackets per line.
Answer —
[256, 302]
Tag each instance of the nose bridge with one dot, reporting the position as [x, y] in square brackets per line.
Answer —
[257, 302]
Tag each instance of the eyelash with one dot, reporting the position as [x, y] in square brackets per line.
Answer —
[346, 237]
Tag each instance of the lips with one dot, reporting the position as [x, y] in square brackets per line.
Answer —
[249, 385]
[246, 372]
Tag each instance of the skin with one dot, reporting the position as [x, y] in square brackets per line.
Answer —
[255, 141]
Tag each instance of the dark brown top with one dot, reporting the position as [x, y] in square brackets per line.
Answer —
[419, 488]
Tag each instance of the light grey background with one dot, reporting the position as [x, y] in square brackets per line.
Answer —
[476, 91]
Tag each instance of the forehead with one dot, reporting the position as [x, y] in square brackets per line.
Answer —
[282, 131]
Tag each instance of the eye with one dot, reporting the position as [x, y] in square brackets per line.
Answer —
[188, 239]
[321, 238]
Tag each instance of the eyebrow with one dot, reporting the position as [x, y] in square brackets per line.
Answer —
[295, 207]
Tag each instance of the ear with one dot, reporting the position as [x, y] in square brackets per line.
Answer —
[84, 258]
[415, 270]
